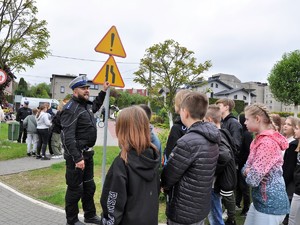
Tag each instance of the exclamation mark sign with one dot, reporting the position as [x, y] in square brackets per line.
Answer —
[112, 38]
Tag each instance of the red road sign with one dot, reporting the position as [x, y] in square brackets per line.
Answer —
[3, 77]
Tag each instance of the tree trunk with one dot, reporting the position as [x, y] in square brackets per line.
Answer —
[170, 115]
[295, 110]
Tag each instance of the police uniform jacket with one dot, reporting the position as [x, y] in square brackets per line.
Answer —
[79, 130]
[23, 113]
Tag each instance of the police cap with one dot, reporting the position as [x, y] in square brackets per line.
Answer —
[80, 81]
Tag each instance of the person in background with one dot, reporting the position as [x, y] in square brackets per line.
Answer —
[230, 123]
[242, 189]
[178, 129]
[43, 124]
[225, 167]
[131, 188]
[263, 169]
[30, 125]
[295, 204]
[191, 165]
[22, 113]
[49, 110]
[289, 159]
[55, 130]
[78, 135]
[154, 139]
[2, 115]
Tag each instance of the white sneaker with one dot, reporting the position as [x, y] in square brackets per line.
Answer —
[224, 215]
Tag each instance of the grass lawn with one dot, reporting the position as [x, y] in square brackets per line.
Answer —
[8, 148]
[49, 184]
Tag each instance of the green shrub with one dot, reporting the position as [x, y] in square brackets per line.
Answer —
[163, 137]
[156, 119]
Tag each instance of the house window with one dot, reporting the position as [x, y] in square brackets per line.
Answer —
[212, 85]
[244, 98]
[235, 97]
[217, 85]
[62, 89]
[94, 86]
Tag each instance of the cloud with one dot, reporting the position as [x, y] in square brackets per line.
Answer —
[244, 38]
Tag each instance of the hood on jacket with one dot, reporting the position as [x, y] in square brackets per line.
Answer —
[177, 120]
[145, 165]
[230, 115]
[208, 130]
[276, 137]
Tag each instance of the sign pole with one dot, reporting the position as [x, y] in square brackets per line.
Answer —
[105, 134]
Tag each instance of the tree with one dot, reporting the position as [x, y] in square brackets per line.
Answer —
[23, 38]
[22, 88]
[284, 79]
[42, 90]
[169, 66]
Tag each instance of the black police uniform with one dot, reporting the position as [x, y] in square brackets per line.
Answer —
[22, 113]
[79, 133]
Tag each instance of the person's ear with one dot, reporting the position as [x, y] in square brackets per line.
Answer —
[257, 118]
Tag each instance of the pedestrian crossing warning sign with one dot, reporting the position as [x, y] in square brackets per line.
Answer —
[111, 44]
[109, 72]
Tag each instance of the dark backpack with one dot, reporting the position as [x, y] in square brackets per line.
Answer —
[226, 176]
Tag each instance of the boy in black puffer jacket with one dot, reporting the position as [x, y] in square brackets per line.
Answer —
[191, 165]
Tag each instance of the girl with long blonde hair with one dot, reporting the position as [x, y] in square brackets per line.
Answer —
[263, 169]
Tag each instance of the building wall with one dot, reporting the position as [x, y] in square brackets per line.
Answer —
[230, 80]
[258, 89]
[210, 88]
[239, 95]
[60, 87]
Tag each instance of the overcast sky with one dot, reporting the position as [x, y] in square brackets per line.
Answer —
[244, 38]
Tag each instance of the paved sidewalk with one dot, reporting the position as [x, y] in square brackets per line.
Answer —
[19, 209]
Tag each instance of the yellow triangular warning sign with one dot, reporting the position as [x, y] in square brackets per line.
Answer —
[111, 44]
[109, 72]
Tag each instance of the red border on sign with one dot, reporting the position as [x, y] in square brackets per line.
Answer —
[5, 77]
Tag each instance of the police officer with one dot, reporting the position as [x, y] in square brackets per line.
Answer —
[22, 113]
[79, 133]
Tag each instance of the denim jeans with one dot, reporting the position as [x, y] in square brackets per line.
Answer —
[215, 214]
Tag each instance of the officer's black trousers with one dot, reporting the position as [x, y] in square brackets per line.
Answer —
[80, 185]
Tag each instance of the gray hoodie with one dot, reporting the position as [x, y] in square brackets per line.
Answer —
[30, 124]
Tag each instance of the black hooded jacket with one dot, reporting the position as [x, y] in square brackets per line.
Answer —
[176, 132]
[190, 171]
[234, 127]
[130, 192]
[297, 175]
[288, 167]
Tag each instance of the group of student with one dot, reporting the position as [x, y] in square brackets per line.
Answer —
[211, 158]
[39, 128]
